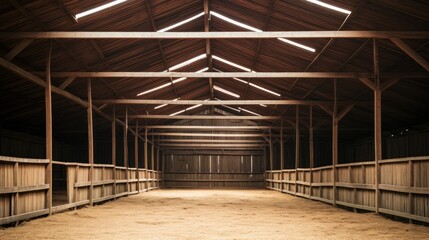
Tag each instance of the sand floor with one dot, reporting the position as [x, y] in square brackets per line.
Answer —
[214, 214]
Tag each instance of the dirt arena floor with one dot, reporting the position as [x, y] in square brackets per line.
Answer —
[213, 214]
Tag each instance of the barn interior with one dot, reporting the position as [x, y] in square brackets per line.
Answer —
[103, 101]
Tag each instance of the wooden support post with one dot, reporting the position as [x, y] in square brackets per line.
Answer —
[296, 148]
[334, 145]
[162, 168]
[157, 166]
[377, 127]
[271, 161]
[48, 114]
[90, 144]
[152, 162]
[281, 155]
[311, 147]
[145, 158]
[126, 165]
[410, 194]
[114, 149]
[136, 156]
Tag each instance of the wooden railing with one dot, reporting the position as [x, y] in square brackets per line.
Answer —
[403, 186]
[23, 190]
[213, 179]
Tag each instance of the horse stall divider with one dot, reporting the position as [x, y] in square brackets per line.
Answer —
[404, 186]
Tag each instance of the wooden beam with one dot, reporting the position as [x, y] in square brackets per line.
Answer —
[343, 113]
[282, 155]
[192, 145]
[67, 82]
[215, 147]
[271, 158]
[208, 134]
[214, 35]
[297, 138]
[18, 48]
[114, 148]
[410, 52]
[126, 163]
[387, 84]
[368, 83]
[90, 144]
[204, 117]
[378, 151]
[164, 140]
[220, 128]
[311, 149]
[136, 156]
[233, 152]
[327, 110]
[146, 157]
[225, 102]
[48, 122]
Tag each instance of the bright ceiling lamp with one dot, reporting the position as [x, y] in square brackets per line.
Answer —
[181, 23]
[245, 26]
[326, 5]
[237, 23]
[232, 64]
[154, 89]
[263, 105]
[168, 84]
[258, 87]
[194, 59]
[163, 105]
[99, 8]
[310, 49]
[189, 108]
[225, 91]
[248, 111]
[235, 109]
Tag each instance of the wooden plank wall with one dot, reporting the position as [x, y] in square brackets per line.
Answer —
[23, 187]
[404, 186]
[214, 171]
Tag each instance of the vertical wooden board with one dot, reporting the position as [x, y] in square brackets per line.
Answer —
[366, 197]
[394, 201]
[343, 174]
[394, 174]
[108, 190]
[97, 192]
[71, 173]
[369, 174]
[316, 176]
[316, 191]
[83, 174]
[31, 174]
[421, 205]
[327, 175]
[6, 174]
[82, 194]
[31, 201]
[345, 195]
[108, 174]
[98, 174]
[327, 193]
[5, 204]
[421, 174]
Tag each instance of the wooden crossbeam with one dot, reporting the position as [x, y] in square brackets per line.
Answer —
[215, 35]
[204, 117]
[410, 52]
[225, 102]
[211, 128]
[18, 48]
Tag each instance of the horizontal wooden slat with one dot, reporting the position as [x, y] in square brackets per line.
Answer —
[355, 185]
[61, 208]
[23, 216]
[214, 35]
[212, 180]
[404, 189]
[23, 160]
[358, 206]
[324, 184]
[404, 215]
[20, 189]
[396, 160]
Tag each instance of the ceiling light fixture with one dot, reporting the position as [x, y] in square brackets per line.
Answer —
[326, 5]
[217, 88]
[181, 23]
[99, 8]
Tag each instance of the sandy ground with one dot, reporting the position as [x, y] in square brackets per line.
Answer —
[214, 214]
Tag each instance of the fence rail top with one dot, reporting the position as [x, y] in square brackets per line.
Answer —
[23, 160]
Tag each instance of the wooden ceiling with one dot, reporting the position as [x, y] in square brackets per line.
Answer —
[404, 104]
